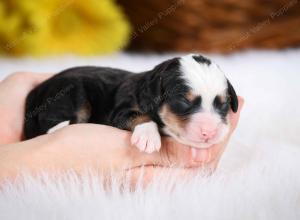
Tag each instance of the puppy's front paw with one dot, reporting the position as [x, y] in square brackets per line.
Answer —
[146, 137]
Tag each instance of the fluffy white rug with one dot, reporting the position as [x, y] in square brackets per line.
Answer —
[259, 175]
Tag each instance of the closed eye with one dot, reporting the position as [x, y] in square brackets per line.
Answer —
[224, 106]
[182, 106]
[221, 107]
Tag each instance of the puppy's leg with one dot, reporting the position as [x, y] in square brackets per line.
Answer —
[81, 116]
[146, 137]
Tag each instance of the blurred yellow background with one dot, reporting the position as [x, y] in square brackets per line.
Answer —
[51, 27]
[92, 27]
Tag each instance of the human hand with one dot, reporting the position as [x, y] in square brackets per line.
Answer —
[78, 145]
[13, 92]
[187, 157]
[109, 149]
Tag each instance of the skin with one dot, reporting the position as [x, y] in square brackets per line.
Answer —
[77, 147]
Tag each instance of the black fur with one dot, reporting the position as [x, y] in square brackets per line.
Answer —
[202, 59]
[115, 97]
[45, 107]
[234, 103]
[231, 102]
[222, 107]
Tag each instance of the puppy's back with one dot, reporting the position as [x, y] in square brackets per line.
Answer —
[65, 95]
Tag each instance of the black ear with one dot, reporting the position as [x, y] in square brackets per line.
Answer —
[151, 89]
[166, 65]
[234, 103]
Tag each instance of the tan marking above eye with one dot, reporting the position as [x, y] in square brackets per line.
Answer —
[223, 98]
[190, 96]
[175, 123]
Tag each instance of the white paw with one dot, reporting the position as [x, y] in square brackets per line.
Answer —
[146, 137]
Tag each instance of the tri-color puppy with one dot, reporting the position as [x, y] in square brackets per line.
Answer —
[187, 98]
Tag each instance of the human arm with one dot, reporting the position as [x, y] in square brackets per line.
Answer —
[80, 146]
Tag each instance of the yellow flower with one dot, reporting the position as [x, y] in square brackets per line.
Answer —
[50, 27]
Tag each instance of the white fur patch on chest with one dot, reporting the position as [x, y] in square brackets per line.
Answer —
[203, 79]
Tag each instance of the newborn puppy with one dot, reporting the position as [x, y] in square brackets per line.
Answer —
[187, 98]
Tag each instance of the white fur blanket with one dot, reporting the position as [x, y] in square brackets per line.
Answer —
[259, 175]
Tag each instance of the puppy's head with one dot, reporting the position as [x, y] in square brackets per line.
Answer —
[196, 100]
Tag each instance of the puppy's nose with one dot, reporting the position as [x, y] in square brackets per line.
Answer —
[208, 134]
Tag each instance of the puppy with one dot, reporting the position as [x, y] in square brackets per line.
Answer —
[187, 98]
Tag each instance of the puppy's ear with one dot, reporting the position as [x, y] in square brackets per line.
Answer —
[165, 65]
[151, 89]
[149, 92]
[234, 103]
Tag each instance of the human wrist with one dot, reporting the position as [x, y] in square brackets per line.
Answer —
[22, 157]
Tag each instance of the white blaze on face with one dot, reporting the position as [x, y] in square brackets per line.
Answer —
[208, 81]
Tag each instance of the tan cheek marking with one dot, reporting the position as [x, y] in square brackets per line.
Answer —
[173, 122]
[84, 113]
